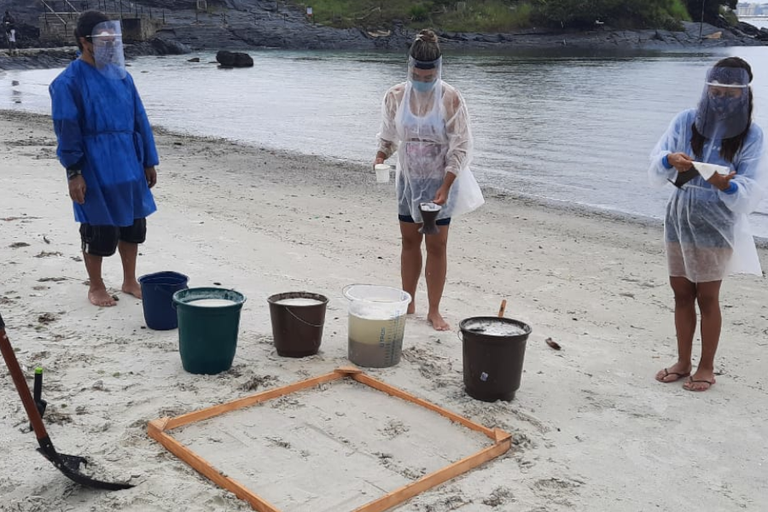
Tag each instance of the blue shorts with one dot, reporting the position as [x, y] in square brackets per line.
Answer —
[409, 219]
[429, 187]
[696, 227]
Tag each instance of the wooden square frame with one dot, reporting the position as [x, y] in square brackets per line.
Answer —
[158, 430]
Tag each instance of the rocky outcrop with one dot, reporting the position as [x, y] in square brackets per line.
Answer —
[229, 59]
[157, 46]
[748, 30]
[41, 59]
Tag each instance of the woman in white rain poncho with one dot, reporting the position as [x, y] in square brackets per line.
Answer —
[706, 229]
[426, 122]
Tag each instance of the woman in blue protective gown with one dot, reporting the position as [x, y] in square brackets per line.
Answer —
[706, 230]
[105, 142]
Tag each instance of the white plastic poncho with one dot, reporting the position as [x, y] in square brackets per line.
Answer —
[426, 122]
[706, 230]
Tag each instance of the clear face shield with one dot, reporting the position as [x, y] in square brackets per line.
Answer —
[107, 39]
[423, 77]
[723, 110]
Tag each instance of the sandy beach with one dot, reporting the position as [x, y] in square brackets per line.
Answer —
[592, 428]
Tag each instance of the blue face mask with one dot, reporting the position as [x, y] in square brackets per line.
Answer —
[423, 86]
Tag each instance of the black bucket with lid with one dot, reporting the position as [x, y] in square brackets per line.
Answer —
[494, 350]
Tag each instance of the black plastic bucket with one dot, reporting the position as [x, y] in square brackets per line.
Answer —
[494, 350]
[297, 322]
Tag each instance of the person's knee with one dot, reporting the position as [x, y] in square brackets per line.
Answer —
[684, 291]
[411, 243]
[411, 238]
[685, 300]
[436, 246]
[708, 301]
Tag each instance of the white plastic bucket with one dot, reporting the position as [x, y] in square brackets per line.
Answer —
[382, 173]
[376, 324]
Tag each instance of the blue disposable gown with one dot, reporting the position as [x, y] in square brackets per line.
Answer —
[102, 127]
[707, 232]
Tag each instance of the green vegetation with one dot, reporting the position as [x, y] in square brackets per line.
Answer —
[488, 17]
[616, 13]
[507, 15]
[450, 15]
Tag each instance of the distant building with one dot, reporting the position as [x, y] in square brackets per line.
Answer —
[752, 9]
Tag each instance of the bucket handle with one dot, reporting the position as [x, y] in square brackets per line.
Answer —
[302, 320]
[460, 335]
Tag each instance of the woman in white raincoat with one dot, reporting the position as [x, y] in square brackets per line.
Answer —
[706, 229]
[426, 122]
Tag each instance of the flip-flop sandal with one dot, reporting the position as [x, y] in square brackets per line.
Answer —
[667, 373]
[692, 381]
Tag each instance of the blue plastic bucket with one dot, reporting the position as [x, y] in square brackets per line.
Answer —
[157, 291]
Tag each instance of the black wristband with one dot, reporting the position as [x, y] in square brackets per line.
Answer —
[73, 173]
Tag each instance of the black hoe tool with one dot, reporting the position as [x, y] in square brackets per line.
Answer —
[67, 464]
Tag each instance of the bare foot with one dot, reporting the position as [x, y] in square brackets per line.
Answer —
[133, 288]
[411, 308]
[675, 372]
[100, 297]
[702, 380]
[438, 322]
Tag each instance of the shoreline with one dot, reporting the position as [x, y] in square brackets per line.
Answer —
[354, 169]
[586, 419]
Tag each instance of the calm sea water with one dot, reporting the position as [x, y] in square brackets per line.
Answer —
[570, 126]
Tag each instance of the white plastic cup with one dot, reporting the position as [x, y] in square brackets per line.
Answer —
[382, 173]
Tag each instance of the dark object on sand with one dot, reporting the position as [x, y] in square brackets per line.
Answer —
[38, 395]
[67, 464]
[493, 355]
[234, 59]
[552, 343]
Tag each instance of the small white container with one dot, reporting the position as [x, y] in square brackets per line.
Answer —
[382, 173]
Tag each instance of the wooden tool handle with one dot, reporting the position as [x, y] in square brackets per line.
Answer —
[21, 383]
[502, 308]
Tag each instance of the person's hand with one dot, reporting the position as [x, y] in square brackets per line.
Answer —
[77, 189]
[151, 175]
[441, 196]
[680, 161]
[377, 161]
[721, 182]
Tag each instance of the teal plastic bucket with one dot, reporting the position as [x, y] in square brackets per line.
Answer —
[209, 321]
